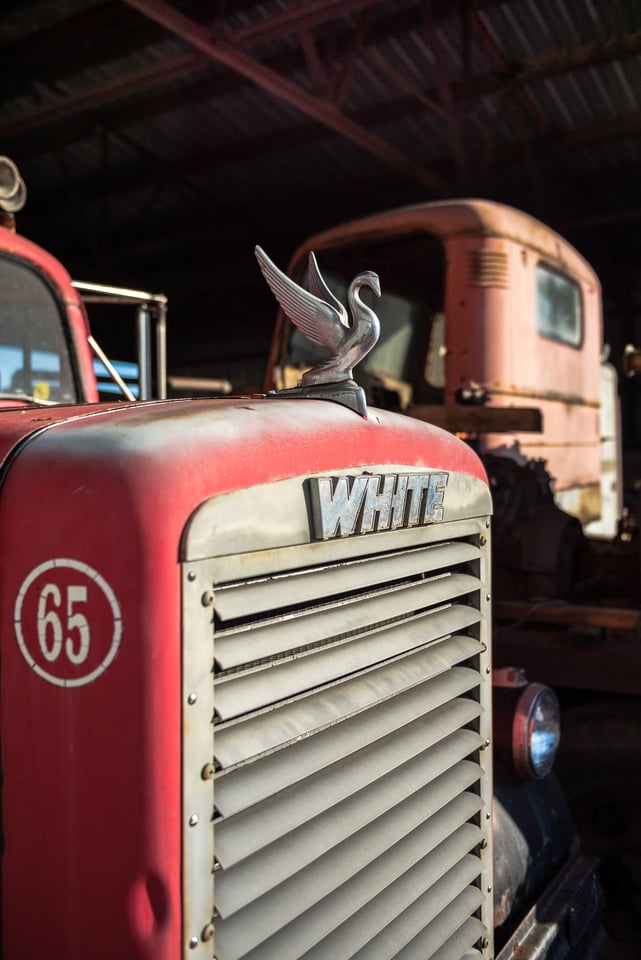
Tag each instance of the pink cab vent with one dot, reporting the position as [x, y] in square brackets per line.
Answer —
[488, 268]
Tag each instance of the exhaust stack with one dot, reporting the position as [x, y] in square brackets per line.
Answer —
[13, 193]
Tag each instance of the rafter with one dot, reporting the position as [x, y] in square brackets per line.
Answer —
[288, 92]
[527, 105]
[309, 133]
[155, 172]
[403, 82]
[78, 57]
[581, 57]
[103, 95]
[299, 17]
[349, 53]
[559, 194]
[79, 126]
[453, 118]
[314, 62]
[161, 75]
[92, 98]
[110, 107]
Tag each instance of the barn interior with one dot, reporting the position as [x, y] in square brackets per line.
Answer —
[161, 141]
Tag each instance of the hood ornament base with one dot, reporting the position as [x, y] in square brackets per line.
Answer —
[346, 392]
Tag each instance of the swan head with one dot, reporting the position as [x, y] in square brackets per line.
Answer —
[367, 279]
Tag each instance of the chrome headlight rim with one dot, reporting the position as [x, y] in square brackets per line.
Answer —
[528, 761]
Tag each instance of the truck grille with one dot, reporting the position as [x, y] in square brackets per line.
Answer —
[350, 791]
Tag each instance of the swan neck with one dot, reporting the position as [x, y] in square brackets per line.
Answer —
[354, 291]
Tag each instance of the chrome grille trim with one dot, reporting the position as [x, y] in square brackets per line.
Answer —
[350, 828]
[397, 915]
[236, 695]
[240, 836]
[292, 932]
[266, 593]
[248, 785]
[447, 934]
[284, 636]
[352, 784]
[241, 741]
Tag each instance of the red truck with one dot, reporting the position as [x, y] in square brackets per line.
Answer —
[492, 328]
[246, 688]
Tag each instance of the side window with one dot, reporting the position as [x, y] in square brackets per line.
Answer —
[392, 356]
[34, 356]
[559, 307]
[435, 362]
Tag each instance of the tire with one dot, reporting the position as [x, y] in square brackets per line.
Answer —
[599, 766]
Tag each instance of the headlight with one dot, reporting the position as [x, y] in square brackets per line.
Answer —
[536, 731]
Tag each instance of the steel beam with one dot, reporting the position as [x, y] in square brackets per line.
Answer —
[326, 113]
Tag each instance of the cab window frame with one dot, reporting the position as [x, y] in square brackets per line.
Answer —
[566, 284]
[66, 336]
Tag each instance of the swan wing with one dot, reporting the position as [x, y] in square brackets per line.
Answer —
[319, 321]
[319, 288]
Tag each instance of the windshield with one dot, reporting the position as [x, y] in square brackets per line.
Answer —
[412, 275]
[34, 357]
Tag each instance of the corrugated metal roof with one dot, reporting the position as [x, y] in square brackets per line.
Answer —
[129, 132]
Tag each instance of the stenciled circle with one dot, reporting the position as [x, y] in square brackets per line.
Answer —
[96, 579]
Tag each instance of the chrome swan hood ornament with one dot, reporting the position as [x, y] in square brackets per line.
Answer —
[325, 321]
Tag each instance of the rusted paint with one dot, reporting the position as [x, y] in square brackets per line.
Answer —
[613, 618]
[471, 419]
[565, 921]
[557, 396]
[463, 218]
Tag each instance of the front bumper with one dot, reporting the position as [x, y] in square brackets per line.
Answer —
[565, 922]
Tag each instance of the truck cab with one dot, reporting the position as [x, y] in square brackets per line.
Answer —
[48, 354]
[45, 355]
[491, 327]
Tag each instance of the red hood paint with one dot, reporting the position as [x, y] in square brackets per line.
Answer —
[311, 436]
[92, 773]
[20, 421]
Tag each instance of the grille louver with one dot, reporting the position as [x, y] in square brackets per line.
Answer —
[348, 795]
